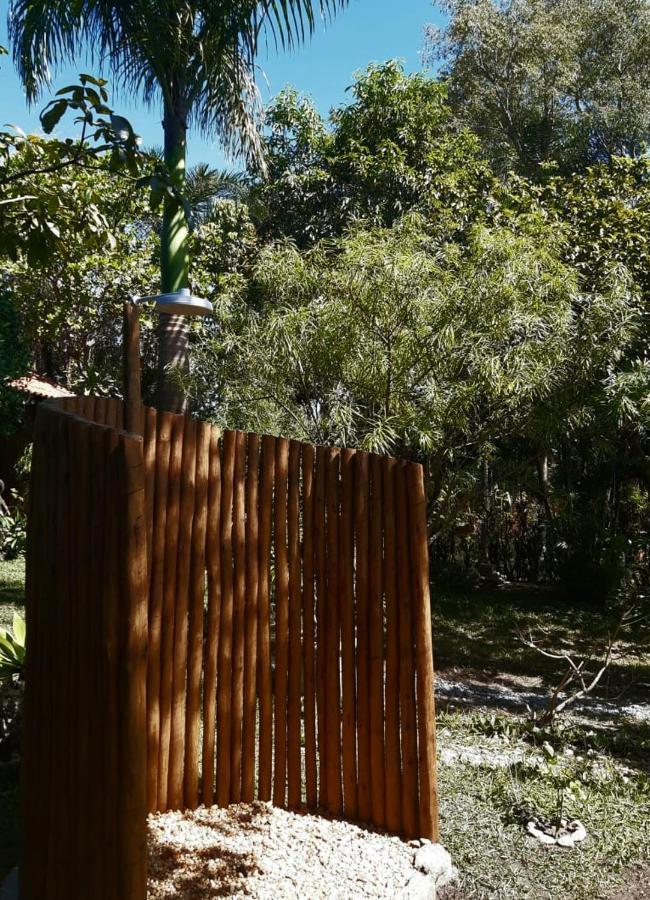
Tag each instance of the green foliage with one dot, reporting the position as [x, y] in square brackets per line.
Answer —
[224, 247]
[605, 212]
[12, 650]
[33, 200]
[13, 529]
[12, 588]
[395, 149]
[542, 80]
[383, 288]
[69, 303]
[196, 58]
[14, 357]
[199, 60]
[391, 340]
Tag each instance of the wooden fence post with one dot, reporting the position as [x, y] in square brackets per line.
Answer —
[132, 686]
[132, 370]
[424, 654]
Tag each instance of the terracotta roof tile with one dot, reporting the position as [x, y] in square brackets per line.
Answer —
[40, 386]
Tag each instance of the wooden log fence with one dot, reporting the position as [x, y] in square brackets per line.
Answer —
[85, 759]
[215, 617]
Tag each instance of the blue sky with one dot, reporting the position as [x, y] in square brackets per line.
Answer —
[368, 31]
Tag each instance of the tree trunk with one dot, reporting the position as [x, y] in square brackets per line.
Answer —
[173, 342]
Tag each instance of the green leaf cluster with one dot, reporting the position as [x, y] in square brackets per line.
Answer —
[12, 649]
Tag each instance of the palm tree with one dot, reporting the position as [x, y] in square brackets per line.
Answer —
[197, 58]
[205, 186]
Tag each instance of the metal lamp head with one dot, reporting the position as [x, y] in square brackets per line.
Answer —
[180, 303]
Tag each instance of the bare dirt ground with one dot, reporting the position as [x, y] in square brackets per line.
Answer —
[637, 886]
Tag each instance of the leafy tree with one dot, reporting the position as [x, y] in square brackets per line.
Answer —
[395, 149]
[32, 209]
[548, 80]
[197, 59]
[67, 300]
[605, 212]
[14, 358]
[489, 360]
[388, 339]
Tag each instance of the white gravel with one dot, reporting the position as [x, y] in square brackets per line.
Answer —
[260, 851]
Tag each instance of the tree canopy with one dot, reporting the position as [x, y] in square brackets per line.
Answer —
[384, 283]
[539, 81]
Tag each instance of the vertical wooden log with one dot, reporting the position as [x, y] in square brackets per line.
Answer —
[213, 552]
[333, 693]
[180, 658]
[71, 644]
[294, 768]
[99, 881]
[423, 654]
[113, 407]
[251, 619]
[408, 719]
[309, 639]
[264, 691]
[101, 410]
[393, 763]
[239, 548]
[196, 618]
[132, 795]
[361, 527]
[156, 591]
[224, 679]
[179, 679]
[150, 419]
[169, 606]
[281, 621]
[118, 406]
[132, 369]
[376, 646]
[82, 591]
[59, 834]
[109, 698]
[40, 608]
[346, 600]
[87, 408]
[320, 571]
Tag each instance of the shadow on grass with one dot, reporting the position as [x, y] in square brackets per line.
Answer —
[481, 631]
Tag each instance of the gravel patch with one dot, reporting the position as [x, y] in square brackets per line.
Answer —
[260, 851]
[467, 693]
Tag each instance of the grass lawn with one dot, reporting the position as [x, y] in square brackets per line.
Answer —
[494, 772]
[495, 777]
[12, 590]
[479, 631]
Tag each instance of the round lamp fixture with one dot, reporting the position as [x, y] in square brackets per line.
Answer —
[179, 303]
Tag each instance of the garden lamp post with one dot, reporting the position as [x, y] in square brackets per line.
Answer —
[174, 341]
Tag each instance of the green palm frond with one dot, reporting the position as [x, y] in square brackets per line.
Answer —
[197, 52]
[205, 186]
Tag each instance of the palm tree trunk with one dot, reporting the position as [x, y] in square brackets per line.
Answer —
[173, 343]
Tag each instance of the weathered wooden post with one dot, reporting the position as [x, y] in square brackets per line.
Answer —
[132, 369]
